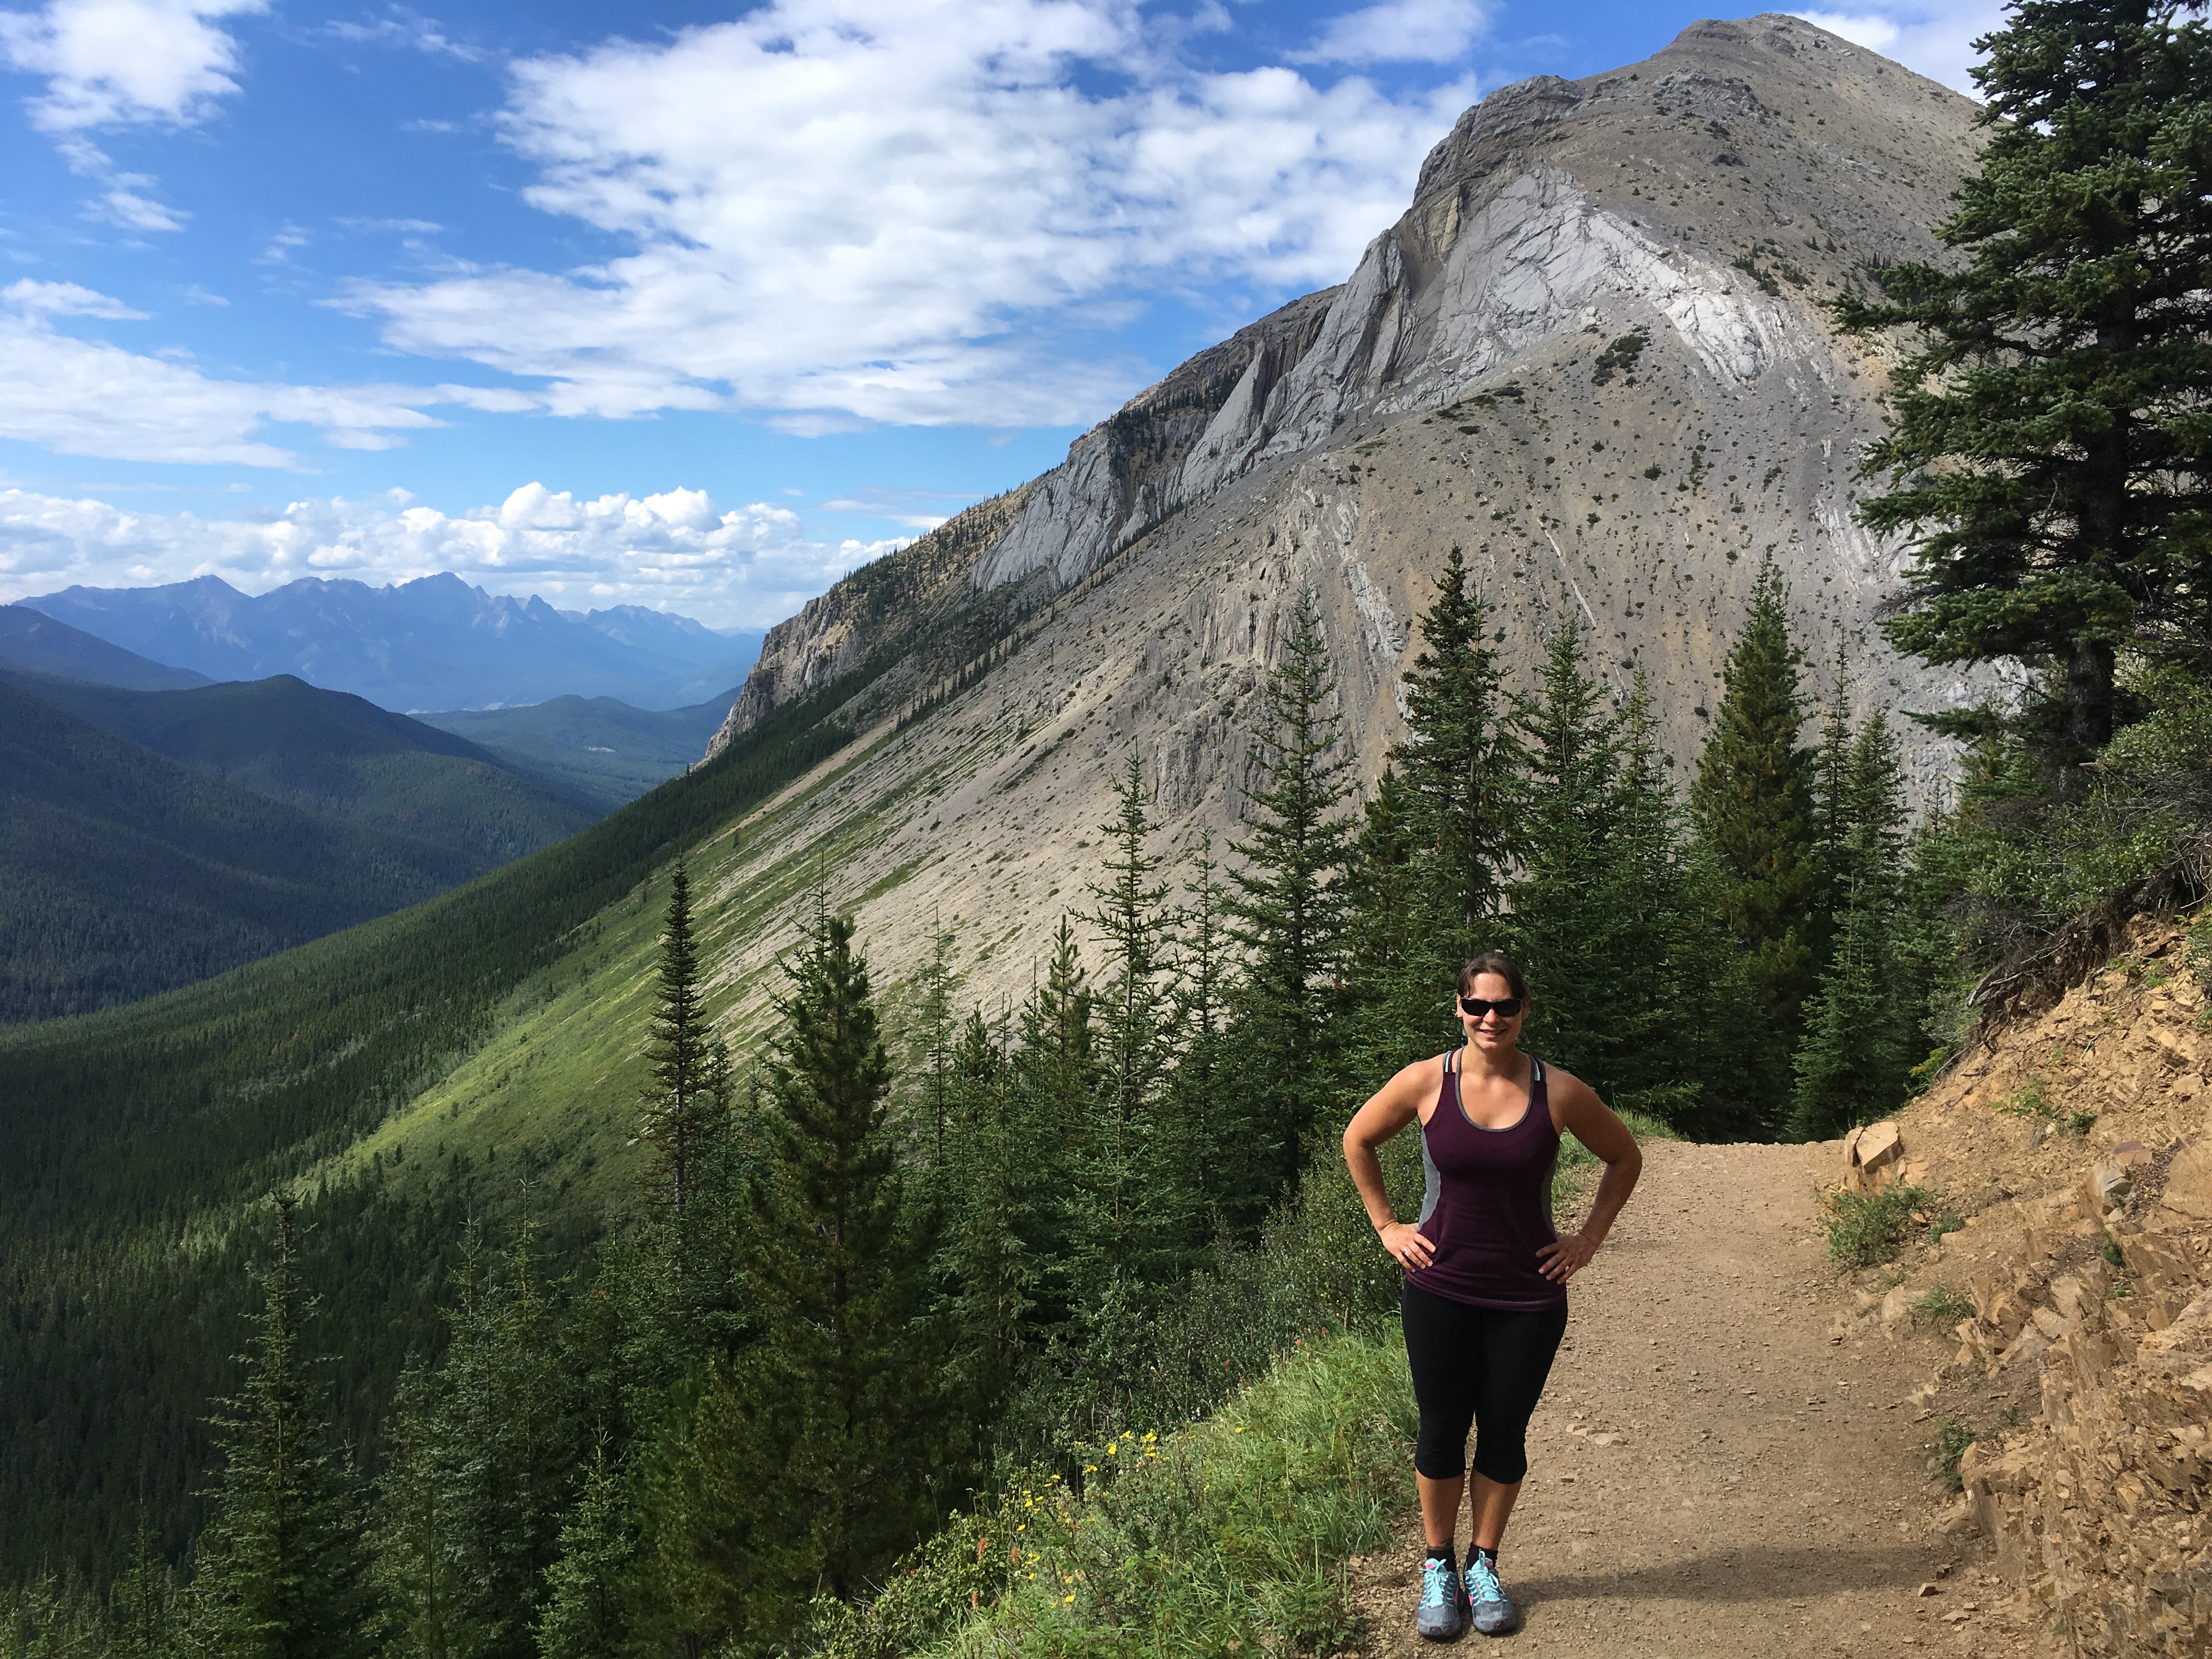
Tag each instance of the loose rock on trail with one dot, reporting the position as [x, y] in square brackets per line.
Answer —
[1713, 1472]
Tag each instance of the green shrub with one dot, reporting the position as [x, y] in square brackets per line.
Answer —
[1941, 1306]
[1867, 1229]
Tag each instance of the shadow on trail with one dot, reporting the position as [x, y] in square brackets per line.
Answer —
[1742, 1575]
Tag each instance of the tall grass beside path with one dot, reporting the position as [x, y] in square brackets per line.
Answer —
[1231, 1532]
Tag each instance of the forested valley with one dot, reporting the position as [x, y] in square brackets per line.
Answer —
[916, 1276]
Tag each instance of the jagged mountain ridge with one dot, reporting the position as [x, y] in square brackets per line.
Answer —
[434, 644]
[1591, 353]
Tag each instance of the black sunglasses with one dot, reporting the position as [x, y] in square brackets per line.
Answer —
[1503, 1007]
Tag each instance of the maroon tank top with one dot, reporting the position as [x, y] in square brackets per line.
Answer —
[1487, 1209]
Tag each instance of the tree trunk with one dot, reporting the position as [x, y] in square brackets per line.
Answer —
[2089, 697]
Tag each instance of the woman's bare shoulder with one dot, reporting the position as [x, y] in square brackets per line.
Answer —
[1566, 1090]
[1422, 1074]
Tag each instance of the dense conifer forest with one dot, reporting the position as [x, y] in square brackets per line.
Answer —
[909, 1259]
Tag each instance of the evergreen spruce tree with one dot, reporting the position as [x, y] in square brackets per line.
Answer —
[2045, 442]
[1132, 1202]
[1288, 898]
[469, 1505]
[685, 1303]
[688, 1071]
[1751, 802]
[583, 1615]
[1831, 818]
[412, 1535]
[996, 1220]
[1565, 904]
[1394, 969]
[936, 1035]
[281, 1571]
[1460, 767]
[1628, 990]
[1854, 1062]
[145, 1608]
[1053, 1084]
[813, 1459]
[1208, 1116]
[506, 1461]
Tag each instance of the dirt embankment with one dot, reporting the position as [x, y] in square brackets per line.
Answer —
[1744, 1448]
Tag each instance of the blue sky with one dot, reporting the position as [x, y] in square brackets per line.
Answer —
[692, 306]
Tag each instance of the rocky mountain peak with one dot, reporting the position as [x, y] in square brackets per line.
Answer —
[1593, 352]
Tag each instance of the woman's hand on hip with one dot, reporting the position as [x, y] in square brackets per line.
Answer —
[1566, 1256]
[1405, 1241]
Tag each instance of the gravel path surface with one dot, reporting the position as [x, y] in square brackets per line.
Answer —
[1712, 1474]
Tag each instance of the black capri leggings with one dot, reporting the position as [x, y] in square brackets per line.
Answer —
[1480, 1366]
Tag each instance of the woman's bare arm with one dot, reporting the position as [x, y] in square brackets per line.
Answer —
[1395, 1105]
[1594, 1123]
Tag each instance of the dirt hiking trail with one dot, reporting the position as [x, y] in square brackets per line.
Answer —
[1714, 1472]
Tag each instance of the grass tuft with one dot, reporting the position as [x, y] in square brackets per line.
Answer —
[1941, 1305]
[1952, 1439]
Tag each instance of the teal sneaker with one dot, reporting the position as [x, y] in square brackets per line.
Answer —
[1494, 1615]
[1442, 1614]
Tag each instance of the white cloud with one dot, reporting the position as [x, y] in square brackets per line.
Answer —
[111, 61]
[1936, 40]
[403, 226]
[914, 509]
[124, 204]
[746, 567]
[402, 28]
[1401, 32]
[122, 62]
[86, 398]
[65, 299]
[908, 211]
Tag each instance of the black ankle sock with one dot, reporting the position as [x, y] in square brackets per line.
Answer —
[1443, 1552]
[1488, 1555]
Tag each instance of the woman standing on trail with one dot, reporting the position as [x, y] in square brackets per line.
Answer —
[1486, 1296]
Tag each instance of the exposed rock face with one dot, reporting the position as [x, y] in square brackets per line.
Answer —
[1704, 202]
[2077, 1150]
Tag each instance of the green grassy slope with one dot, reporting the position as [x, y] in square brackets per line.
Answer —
[598, 748]
[1227, 1535]
[123, 873]
[328, 752]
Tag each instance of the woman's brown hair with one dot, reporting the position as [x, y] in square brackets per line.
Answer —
[1493, 961]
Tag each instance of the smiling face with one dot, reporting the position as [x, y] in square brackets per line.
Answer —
[1493, 1032]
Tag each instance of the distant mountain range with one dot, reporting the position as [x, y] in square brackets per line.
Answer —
[436, 643]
